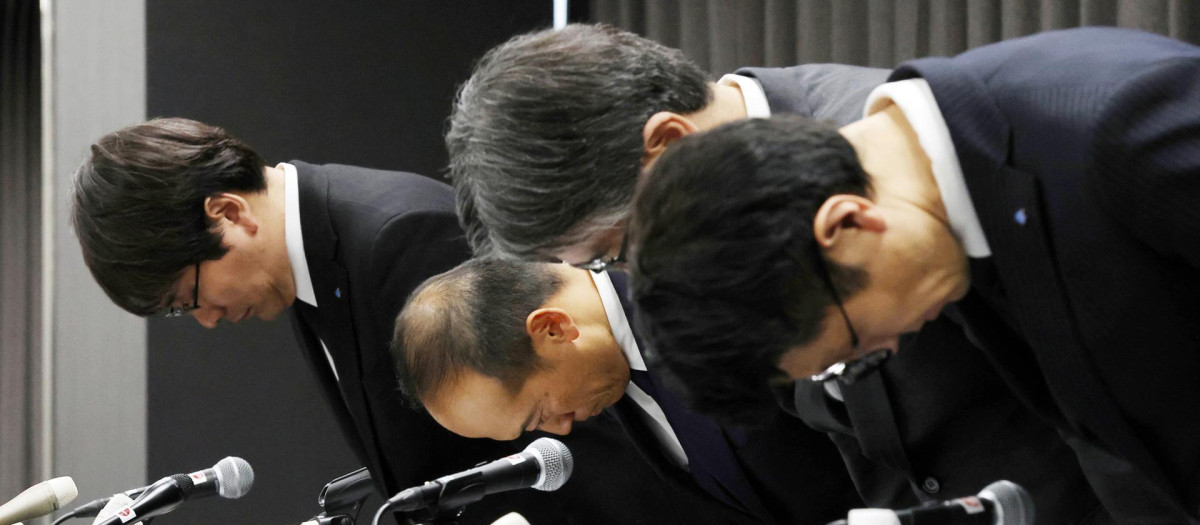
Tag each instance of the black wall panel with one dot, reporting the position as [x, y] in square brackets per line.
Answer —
[365, 83]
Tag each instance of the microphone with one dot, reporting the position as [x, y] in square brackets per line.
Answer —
[1001, 503]
[39, 500]
[545, 464]
[205, 480]
[230, 478]
[512, 518]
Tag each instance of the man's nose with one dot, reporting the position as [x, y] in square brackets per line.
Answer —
[206, 316]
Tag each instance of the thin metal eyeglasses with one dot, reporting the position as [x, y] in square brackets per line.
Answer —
[600, 264]
[179, 311]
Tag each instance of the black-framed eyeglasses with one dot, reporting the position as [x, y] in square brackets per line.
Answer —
[179, 311]
[837, 299]
[601, 264]
[847, 372]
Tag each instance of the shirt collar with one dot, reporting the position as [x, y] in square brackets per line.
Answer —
[915, 99]
[752, 95]
[293, 236]
[617, 322]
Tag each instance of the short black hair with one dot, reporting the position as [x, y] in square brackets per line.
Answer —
[138, 205]
[723, 260]
[545, 140]
[471, 317]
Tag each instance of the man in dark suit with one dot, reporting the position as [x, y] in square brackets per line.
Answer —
[222, 236]
[534, 183]
[496, 349]
[1038, 190]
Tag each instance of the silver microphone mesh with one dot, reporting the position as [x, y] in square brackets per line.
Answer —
[234, 477]
[1013, 504]
[556, 462]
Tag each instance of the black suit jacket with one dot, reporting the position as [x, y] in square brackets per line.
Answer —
[1081, 152]
[781, 472]
[935, 421]
[370, 237]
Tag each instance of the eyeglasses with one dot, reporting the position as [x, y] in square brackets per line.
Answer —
[179, 311]
[847, 372]
[601, 264]
[837, 299]
[828, 280]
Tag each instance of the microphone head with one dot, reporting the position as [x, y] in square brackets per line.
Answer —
[1013, 504]
[556, 462]
[512, 518]
[234, 477]
[64, 490]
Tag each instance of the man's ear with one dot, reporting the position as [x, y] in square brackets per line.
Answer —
[660, 130]
[843, 212]
[552, 325]
[230, 209]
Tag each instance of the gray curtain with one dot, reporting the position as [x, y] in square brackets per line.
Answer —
[20, 211]
[722, 35]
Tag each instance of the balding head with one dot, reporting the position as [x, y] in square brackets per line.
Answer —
[471, 318]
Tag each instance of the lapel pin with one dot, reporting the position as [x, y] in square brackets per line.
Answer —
[337, 292]
[1020, 217]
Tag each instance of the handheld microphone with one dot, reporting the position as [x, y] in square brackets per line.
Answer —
[1001, 503]
[230, 478]
[39, 500]
[545, 464]
[206, 481]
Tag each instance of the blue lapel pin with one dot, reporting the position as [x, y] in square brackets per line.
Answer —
[1020, 217]
[337, 292]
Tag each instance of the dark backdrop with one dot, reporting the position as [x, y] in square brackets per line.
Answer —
[364, 83]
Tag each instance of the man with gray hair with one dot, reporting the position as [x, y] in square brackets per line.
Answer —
[550, 133]
[547, 142]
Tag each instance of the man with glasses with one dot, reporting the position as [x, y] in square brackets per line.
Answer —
[555, 129]
[1039, 191]
[177, 217]
[496, 349]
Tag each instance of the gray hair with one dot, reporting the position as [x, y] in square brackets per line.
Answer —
[545, 140]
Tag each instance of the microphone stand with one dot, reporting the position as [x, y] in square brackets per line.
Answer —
[322, 519]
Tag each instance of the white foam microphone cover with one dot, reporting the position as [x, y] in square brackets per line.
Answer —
[512, 518]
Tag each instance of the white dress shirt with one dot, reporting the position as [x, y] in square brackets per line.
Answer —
[653, 413]
[752, 95]
[915, 100]
[295, 246]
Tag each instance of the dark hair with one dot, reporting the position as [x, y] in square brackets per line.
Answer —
[471, 317]
[724, 264]
[545, 141]
[138, 205]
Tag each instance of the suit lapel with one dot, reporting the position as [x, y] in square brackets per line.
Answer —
[711, 458]
[332, 320]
